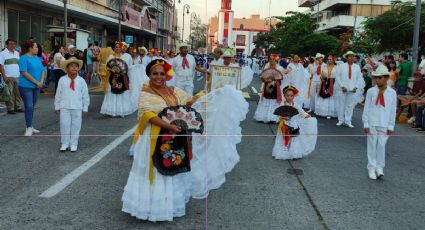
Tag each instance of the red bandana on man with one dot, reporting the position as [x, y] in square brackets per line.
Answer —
[72, 85]
[185, 62]
[380, 99]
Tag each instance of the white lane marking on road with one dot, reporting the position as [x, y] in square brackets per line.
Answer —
[72, 176]
[254, 90]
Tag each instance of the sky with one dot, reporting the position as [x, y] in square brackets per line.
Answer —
[242, 8]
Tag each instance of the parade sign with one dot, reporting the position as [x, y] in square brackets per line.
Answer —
[224, 75]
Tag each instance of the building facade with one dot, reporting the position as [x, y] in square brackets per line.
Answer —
[237, 33]
[143, 22]
[335, 16]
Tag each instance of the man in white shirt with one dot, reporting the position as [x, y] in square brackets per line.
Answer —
[314, 83]
[350, 80]
[9, 69]
[184, 66]
[378, 121]
[217, 57]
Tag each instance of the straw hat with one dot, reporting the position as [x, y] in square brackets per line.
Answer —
[349, 53]
[64, 64]
[183, 44]
[319, 55]
[227, 52]
[382, 70]
[143, 49]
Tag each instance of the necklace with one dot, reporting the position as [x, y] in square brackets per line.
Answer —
[169, 97]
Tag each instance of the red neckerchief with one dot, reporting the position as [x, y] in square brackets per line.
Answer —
[380, 99]
[349, 71]
[185, 62]
[72, 85]
[319, 70]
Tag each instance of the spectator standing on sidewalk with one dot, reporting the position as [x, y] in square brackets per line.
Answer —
[9, 69]
[58, 58]
[404, 71]
[89, 62]
[72, 53]
[422, 65]
[30, 82]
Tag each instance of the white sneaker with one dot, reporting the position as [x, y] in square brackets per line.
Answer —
[63, 148]
[73, 148]
[328, 117]
[411, 120]
[380, 173]
[28, 132]
[310, 111]
[339, 123]
[350, 125]
[372, 174]
[35, 130]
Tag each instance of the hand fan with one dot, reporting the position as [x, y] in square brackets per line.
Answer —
[185, 117]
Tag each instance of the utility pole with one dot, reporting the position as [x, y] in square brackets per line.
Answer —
[65, 26]
[185, 7]
[119, 19]
[416, 36]
[355, 17]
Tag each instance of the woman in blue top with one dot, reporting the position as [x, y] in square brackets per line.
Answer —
[30, 82]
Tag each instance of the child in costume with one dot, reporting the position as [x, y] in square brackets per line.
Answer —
[378, 121]
[71, 101]
[297, 134]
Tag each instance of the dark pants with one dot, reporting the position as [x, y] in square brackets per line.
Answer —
[58, 74]
[401, 90]
[420, 116]
[30, 97]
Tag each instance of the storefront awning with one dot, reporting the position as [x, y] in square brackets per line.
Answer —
[59, 30]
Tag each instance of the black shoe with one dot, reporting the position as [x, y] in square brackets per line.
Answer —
[11, 112]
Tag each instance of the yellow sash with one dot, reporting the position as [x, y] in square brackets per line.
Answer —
[155, 130]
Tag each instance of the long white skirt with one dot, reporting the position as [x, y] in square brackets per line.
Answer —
[137, 76]
[163, 200]
[117, 104]
[301, 145]
[326, 106]
[214, 155]
[265, 109]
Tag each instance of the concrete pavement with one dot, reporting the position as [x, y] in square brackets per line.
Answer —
[333, 192]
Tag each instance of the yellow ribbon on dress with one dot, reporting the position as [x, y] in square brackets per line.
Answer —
[155, 130]
[309, 87]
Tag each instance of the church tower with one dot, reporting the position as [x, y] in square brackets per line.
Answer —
[225, 23]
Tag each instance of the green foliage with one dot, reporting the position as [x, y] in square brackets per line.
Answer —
[198, 33]
[296, 34]
[392, 30]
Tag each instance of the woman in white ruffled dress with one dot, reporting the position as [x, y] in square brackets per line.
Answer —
[327, 98]
[148, 194]
[287, 147]
[118, 104]
[271, 92]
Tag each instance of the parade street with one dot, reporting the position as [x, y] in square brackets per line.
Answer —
[45, 189]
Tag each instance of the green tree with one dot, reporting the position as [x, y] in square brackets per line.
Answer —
[296, 33]
[198, 33]
[392, 30]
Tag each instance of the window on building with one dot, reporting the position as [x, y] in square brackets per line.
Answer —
[254, 38]
[12, 24]
[24, 27]
[241, 26]
[114, 4]
[240, 40]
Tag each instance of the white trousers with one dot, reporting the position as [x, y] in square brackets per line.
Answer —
[186, 85]
[70, 125]
[376, 141]
[346, 104]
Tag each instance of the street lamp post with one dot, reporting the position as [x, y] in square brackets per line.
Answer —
[355, 17]
[192, 17]
[65, 26]
[187, 8]
[172, 26]
[119, 19]
[416, 36]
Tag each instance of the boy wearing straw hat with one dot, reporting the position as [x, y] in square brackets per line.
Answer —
[378, 121]
[71, 101]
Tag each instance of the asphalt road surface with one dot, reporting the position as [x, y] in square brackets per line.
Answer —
[327, 190]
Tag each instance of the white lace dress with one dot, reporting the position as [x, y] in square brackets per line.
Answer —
[300, 145]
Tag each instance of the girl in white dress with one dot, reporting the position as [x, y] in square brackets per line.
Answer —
[296, 136]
